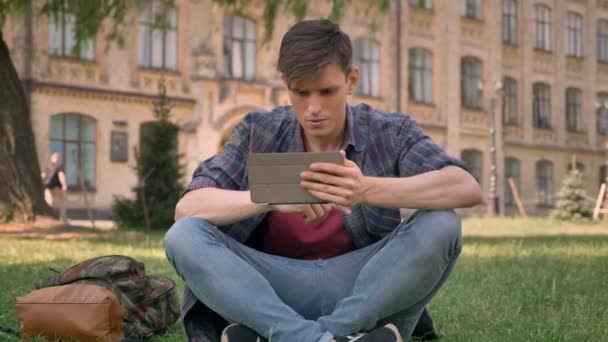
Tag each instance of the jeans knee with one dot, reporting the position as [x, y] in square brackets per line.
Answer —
[181, 234]
[446, 228]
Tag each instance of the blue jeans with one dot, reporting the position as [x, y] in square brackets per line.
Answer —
[313, 300]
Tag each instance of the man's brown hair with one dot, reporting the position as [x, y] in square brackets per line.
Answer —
[309, 46]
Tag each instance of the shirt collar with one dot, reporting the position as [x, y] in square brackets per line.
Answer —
[352, 138]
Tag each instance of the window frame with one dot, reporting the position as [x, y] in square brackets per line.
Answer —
[542, 28]
[80, 143]
[472, 9]
[64, 25]
[541, 105]
[247, 42]
[509, 22]
[471, 75]
[368, 63]
[510, 102]
[420, 75]
[509, 196]
[601, 99]
[545, 197]
[574, 106]
[574, 34]
[475, 167]
[421, 4]
[148, 27]
[602, 40]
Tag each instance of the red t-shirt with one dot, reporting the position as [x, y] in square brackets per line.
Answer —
[290, 236]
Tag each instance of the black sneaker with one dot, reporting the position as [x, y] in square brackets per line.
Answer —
[237, 332]
[387, 333]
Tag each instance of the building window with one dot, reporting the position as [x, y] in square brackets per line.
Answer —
[239, 48]
[471, 84]
[602, 175]
[367, 58]
[510, 102]
[542, 39]
[426, 4]
[472, 9]
[421, 75]
[573, 110]
[62, 40]
[511, 171]
[602, 40]
[544, 183]
[158, 36]
[73, 136]
[509, 21]
[601, 113]
[575, 35]
[541, 105]
[473, 161]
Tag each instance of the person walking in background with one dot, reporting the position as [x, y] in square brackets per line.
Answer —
[55, 185]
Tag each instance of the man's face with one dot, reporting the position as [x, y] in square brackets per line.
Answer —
[320, 103]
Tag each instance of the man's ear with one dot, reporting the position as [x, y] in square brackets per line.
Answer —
[351, 80]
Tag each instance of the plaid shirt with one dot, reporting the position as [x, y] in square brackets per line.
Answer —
[381, 144]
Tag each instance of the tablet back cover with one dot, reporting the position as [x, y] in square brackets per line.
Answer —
[275, 177]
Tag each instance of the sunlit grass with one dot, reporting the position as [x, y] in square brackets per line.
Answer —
[516, 280]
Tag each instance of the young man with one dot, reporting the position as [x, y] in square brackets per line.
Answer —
[307, 273]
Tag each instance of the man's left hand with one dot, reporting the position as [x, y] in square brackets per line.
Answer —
[344, 185]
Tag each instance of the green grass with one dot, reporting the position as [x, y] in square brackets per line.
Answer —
[516, 280]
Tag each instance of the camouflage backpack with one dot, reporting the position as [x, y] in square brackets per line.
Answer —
[149, 302]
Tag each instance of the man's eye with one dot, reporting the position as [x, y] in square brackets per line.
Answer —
[327, 91]
[301, 93]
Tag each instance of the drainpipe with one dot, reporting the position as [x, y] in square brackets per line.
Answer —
[398, 54]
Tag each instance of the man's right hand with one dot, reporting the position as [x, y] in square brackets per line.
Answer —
[313, 213]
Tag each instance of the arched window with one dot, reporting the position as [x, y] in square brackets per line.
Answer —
[421, 75]
[512, 170]
[73, 136]
[473, 160]
[367, 58]
[471, 82]
[544, 183]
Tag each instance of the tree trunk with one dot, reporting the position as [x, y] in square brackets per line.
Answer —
[21, 192]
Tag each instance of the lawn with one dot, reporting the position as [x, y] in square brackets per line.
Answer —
[517, 280]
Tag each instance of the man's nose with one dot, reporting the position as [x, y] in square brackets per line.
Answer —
[314, 104]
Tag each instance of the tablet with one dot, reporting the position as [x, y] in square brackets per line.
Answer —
[274, 178]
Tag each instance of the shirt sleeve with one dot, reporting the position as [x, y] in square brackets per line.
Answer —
[225, 170]
[419, 154]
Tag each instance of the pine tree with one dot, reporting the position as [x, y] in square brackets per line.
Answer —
[159, 173]
[572, 205]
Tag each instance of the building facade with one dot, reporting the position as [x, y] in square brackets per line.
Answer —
[536, 70]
